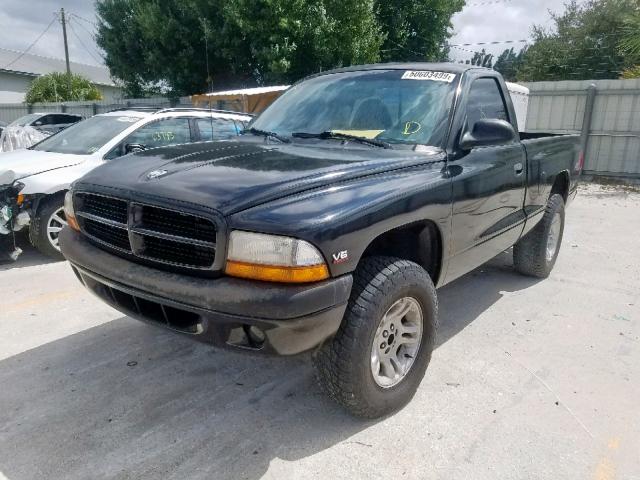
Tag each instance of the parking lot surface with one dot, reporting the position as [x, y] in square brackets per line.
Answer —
[530, 379]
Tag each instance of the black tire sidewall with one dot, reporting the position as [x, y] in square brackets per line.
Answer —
[38, 230]
[556, 205]
[408, 282]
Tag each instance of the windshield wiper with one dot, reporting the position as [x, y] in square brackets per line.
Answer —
[342, 136]
[264, 133]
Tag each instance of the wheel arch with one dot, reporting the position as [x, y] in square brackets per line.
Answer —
[420, 242]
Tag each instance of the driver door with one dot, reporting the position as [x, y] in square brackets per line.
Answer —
[488, 185]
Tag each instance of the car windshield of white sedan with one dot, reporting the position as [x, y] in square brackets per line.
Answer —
[88, 136]
[392, 106]
[26, 120]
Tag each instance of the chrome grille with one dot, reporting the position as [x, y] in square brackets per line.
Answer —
[152, 233]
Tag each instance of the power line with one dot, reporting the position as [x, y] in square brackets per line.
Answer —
[489, 2]
[497, 42]
[73, 30]
[91, 34]
[24, 52]
[84, 19]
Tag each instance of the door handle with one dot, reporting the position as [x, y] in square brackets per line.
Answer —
[518, 168]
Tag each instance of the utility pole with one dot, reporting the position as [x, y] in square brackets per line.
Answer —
[66, 47]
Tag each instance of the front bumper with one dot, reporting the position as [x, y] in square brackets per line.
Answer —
[264, 317]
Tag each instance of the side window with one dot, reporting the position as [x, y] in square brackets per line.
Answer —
[45, 120]
[65, 119]
[170, 131]
[216, 128]
[485, 101]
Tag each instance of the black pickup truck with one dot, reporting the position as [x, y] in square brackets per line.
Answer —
[328, 225]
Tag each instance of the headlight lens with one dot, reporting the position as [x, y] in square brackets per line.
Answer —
[274, 258]
[69, 213]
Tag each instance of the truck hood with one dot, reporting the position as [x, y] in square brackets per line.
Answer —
[235, 175]
[25, 163]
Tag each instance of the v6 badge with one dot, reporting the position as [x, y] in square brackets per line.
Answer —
[340, 257]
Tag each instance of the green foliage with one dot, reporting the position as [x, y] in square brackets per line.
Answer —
[509, 62]
[481, 59]
[583, 45]
[60, 87]
[150, 44]
[630, 43]
[633, 72]
[415, 30]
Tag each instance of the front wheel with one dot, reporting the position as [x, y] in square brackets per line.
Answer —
[536, 253]
[46, 226]
[378, 358]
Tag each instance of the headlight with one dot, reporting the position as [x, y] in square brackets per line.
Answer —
[69, 213]
[273, 258]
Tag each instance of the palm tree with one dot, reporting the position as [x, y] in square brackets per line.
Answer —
[630, 43]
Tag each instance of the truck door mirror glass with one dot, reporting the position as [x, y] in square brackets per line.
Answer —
[487, 132]
[133, 148]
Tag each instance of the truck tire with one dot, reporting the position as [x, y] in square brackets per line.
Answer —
[535, 254]
[46, 225]
[378, 357]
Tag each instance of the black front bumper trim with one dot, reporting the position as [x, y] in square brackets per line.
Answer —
[291, 318]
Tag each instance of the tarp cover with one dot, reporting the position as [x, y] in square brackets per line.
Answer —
[15, 138]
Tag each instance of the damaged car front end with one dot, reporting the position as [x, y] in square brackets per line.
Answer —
[14, 215]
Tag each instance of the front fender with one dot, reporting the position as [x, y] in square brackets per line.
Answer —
[349, 216]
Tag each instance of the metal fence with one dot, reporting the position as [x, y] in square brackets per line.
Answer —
[613, 146]
[12, 111]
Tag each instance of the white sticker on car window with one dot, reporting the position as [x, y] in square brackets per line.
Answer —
[428, 75]
[128, 119]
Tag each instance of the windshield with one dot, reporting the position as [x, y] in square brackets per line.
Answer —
[88, 136]
[394, 106]
[26, 120]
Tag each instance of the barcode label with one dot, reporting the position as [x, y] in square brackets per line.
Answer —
[428, 75]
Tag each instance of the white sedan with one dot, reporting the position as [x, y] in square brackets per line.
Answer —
[36, 179]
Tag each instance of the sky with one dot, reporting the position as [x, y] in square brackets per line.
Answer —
[22, 21]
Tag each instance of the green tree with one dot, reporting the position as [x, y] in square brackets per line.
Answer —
[189, 46]
[416, 30]
[509, 62]
[60, 87]
[630, 44]
[584, 44]
[481, 59]
[247, 41]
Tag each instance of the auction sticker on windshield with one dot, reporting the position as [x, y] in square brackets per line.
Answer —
[428, 75]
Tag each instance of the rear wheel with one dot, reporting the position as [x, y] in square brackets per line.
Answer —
[379, 356]
[536, 253]
[46, 226]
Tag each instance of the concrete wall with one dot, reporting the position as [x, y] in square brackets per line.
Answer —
[614, 138]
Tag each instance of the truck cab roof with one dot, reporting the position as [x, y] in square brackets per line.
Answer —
[447, 67]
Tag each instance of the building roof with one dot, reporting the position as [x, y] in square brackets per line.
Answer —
[36, 65]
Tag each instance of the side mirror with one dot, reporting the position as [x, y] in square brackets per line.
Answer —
[488, 132]
[37, 124]
[133, 148]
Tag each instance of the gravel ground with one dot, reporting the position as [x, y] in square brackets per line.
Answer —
[531, 379]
